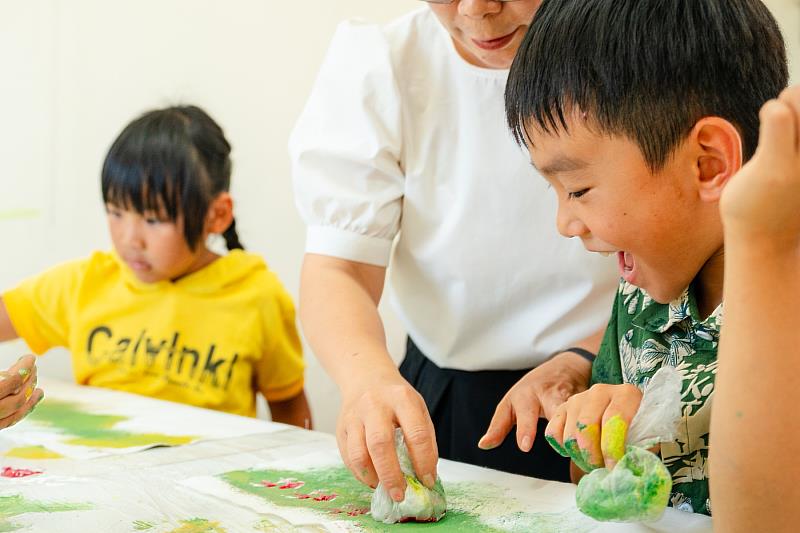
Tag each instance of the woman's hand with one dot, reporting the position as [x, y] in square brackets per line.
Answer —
[18, 392]
[538, 394]
[371, 410]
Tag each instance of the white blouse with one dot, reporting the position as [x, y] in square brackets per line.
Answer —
[401, 138]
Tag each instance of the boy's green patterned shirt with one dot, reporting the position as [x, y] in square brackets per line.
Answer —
[642, 336]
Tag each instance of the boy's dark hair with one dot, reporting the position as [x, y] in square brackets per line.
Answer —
[172, 161]
[647, 69]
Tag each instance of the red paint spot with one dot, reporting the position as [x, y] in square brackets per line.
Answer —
[303, 496]
[358, 512]
[324, 497]
[22, 472]
[283, 484]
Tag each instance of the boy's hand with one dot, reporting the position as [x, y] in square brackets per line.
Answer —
[18, 392]
[591, 427]
[762, 201]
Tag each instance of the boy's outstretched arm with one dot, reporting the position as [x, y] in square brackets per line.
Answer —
[755, 431]
[7, 331]
[294, 411]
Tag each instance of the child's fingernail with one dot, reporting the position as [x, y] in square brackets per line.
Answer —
[37, 403]
[428, 481]
[556, 446]
[396, 495]
[526, 444]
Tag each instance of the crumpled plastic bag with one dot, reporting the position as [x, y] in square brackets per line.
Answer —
[637, 489]
[421, 504]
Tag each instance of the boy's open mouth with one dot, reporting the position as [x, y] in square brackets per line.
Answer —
[627, 265]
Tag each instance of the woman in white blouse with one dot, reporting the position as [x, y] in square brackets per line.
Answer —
[402, 158]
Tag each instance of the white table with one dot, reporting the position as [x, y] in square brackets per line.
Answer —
[235, 474]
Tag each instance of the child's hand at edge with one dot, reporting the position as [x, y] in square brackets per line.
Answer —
[590, 428]
[762, 201]
[18, 392]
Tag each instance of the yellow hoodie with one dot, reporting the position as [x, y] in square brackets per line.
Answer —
[212, 338]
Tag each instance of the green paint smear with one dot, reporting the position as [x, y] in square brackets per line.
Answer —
[198, 525]
[465, 501]
[11, 506]
[97, 430]
[579, 456]
[141, 525]
[556, 446]
[17, 214]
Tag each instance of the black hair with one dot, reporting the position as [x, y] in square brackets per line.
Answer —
[172, 161]
[646, 69]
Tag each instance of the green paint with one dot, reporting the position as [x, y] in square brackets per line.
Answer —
[23, 372]
[579, 457]
[469, 504]
[556, 446]
[141, 525]
[33, 452]
[637, 489]
[198, 525]
[615, 430]
[15, 505]
[16, 214]
[97, 430]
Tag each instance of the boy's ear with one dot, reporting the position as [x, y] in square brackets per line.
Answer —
[719, 155]
[220, 213]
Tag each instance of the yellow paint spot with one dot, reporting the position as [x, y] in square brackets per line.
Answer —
[613, 440]
[588, 440]
[33, 452]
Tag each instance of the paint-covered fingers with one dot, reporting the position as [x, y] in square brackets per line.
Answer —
[419, 435]
[623, 404]
[16, 401]
[591, 427]
[554, 432]
[36, 396]
[577, 418]
[587, 431]
[17, 376]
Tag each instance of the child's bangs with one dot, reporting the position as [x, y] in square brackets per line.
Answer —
[143, 190]
[147, 169]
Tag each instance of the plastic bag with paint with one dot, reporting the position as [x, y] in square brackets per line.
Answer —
[420, 504]
[638, 487]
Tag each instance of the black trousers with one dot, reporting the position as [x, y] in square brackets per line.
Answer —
[461, 405]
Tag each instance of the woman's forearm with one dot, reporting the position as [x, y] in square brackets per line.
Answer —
[339, 313]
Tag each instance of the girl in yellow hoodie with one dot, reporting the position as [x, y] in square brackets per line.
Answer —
[162, 314]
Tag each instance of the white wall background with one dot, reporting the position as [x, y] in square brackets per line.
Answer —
[74, 72]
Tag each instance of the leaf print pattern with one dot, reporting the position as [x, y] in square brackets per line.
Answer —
[648, 336]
